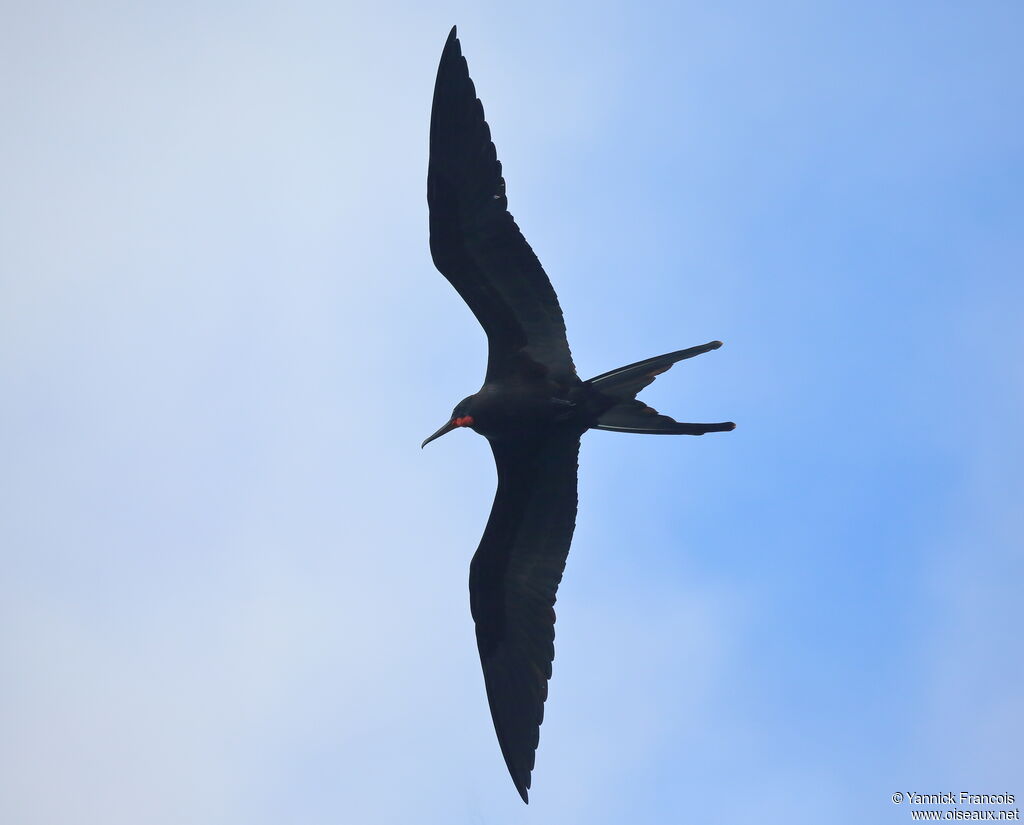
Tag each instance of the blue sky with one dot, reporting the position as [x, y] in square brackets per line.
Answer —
[234, 588]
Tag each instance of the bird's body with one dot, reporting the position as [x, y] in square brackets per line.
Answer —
[512, 409]
[532, 408]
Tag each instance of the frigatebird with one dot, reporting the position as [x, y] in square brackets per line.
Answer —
[532, 408]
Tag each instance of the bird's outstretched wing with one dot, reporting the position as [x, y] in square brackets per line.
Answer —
[475, 242]
[512, 583]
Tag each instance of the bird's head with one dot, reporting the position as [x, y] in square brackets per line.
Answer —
[462, 416]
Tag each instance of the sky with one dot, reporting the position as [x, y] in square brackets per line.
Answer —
[234, 589]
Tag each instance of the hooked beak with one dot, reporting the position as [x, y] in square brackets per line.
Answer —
[447, 428]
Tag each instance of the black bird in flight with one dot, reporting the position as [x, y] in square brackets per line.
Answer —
[532, 408]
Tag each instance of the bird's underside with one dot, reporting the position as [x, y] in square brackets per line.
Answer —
[533, 408]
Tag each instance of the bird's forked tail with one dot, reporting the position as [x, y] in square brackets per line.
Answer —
[627, 415]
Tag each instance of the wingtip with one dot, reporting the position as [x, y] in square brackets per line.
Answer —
[714, 344]
[452, 46]
[730, 426]
[521, 776]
